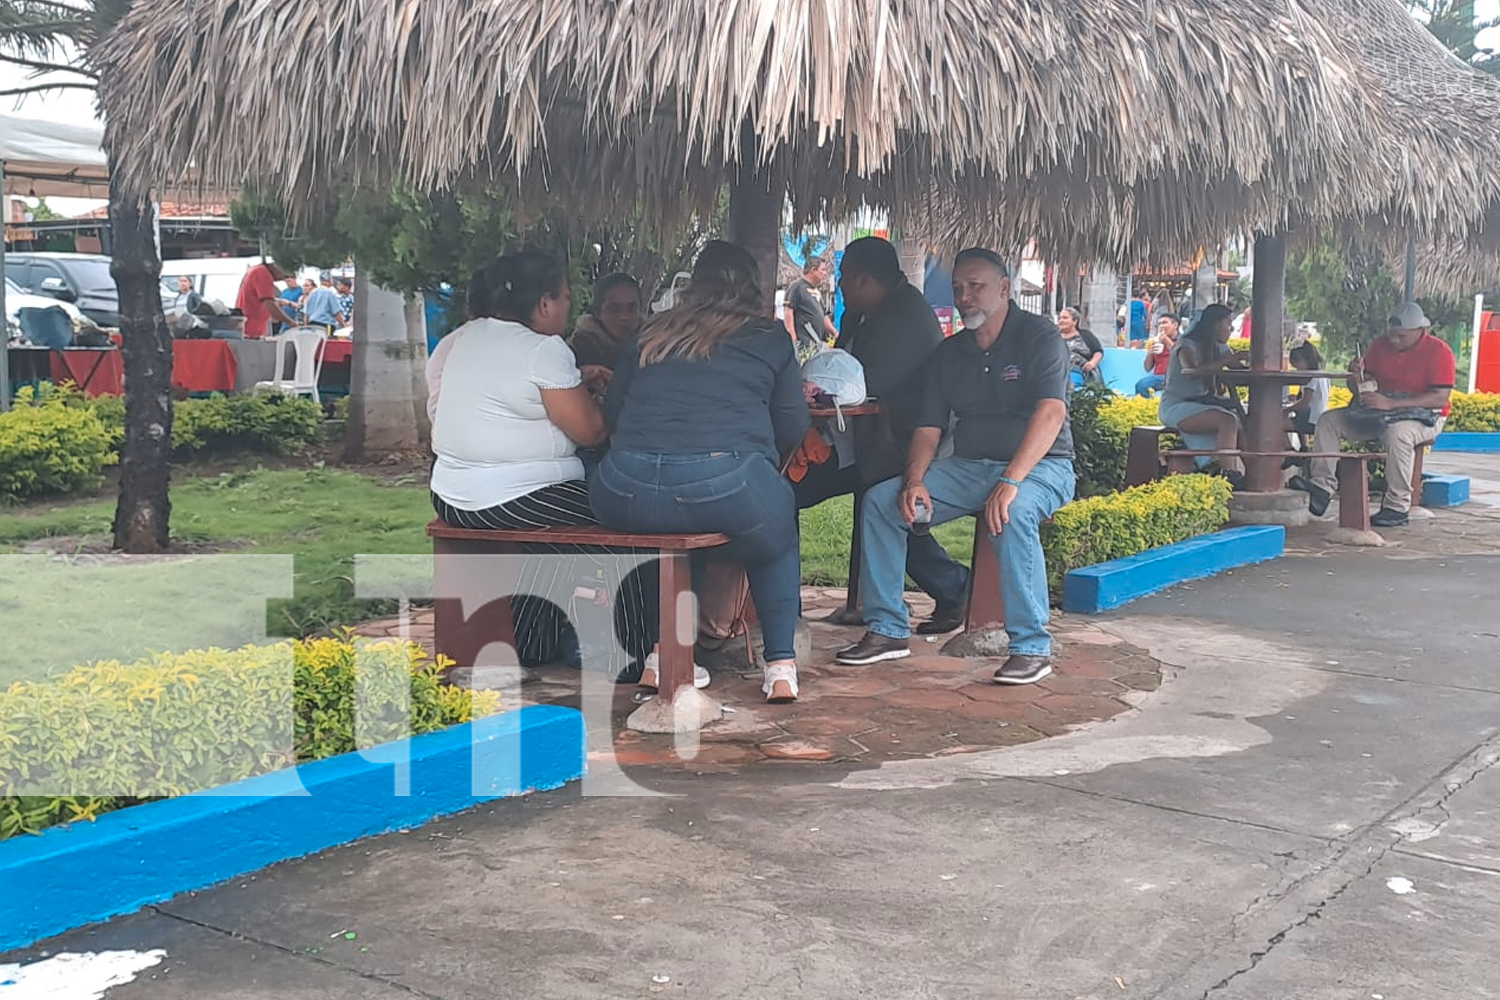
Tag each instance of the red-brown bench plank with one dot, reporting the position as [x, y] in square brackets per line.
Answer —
[462, 638]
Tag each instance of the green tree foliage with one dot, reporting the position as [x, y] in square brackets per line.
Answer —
[1345, 289]
[1350, 291]
[1453, 23]
[414, 242]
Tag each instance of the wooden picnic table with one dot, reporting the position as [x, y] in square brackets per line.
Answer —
[1264, 434]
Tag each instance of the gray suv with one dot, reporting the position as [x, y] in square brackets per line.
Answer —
[80, 278]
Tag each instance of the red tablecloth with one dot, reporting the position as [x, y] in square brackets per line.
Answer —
[338, 352]
[96, 372]
[203, 366]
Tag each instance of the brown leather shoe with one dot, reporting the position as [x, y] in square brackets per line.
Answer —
[1023, 669]
[873, 648]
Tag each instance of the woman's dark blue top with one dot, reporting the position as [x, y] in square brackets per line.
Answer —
[745, 396]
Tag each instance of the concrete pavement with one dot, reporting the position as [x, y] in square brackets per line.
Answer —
[1305, 809]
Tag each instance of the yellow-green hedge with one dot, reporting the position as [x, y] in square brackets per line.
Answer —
[1478, 411]
[1121, 524]
[182, 722]
[58, 441]
[51, 448]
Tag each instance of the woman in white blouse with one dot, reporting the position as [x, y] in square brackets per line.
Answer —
[509, 411]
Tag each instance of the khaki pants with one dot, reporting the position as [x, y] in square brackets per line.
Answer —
[1401, 440]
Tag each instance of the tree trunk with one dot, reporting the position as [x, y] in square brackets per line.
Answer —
[1205, 286]
[913, 255]
[144, 510]
[757, 198]
[388, 391]
[1100, 305]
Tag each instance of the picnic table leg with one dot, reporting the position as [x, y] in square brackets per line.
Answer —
[675, 650]
[1354, 494]
[457, 574]
[986, 604]
[850, 614]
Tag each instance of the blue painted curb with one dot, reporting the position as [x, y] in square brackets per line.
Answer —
[1110, 584]
[1480, 441]
[86, 872]
[1444, 491]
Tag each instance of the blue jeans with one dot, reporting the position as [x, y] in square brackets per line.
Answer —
[739, 493]
[960, 486]
[935, 572]
[1151, 383]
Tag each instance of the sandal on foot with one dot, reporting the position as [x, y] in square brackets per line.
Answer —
[780, 685]
[650, 675]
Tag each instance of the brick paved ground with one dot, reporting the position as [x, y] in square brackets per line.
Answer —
[923, 706]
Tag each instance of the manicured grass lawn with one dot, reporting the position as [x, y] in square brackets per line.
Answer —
[825, 541]
[84, 608]
[76, 607]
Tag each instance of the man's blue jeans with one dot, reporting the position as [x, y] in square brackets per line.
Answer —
[960, 486]
[1151, 383]
[739, 493]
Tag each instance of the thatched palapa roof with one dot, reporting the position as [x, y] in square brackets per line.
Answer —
[1125, 129]
[1441, 146]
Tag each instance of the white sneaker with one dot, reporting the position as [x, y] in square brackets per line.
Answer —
[780, 683]
[650, 671]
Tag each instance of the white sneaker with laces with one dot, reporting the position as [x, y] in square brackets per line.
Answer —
[650, 672]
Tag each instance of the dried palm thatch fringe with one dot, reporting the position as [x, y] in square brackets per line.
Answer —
[1113, 130]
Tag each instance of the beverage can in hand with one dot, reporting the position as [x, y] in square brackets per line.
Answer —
[922, 523]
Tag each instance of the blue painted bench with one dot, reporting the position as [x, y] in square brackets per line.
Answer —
[1107, 585]
[1444, 491]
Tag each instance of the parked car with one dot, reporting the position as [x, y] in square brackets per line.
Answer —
[16, 300]
[80, 279]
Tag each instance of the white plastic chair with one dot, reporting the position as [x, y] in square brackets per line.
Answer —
[308, 343]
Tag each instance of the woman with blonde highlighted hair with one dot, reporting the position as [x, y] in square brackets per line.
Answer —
[705, 402]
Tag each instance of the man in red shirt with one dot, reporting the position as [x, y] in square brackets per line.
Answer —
[259, 299]
[1159, 355]
[1407, 369]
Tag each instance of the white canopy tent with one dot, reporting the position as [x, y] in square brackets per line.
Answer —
[41, 158]
[48, 159]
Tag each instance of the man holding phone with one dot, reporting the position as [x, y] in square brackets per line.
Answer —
[1402, 386]
[1005, 378]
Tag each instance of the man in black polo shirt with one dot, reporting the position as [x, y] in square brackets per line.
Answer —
[892, 331]
[1005, 377]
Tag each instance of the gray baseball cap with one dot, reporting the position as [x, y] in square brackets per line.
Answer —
[1408, 317]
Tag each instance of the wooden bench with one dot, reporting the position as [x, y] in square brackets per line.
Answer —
[462, 637]
[1353, 475]
[1143, 462]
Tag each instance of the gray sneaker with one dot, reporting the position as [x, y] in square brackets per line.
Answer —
[1022, 669]
[873, 648]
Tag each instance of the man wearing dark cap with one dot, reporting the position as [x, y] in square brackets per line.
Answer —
[1005, 378]
[889, 327]
[1401, 388]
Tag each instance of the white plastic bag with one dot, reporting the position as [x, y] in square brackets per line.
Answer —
[839, 374]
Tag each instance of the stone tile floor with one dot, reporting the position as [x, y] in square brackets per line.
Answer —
[923, 706]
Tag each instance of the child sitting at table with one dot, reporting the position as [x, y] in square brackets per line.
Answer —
[1302, 416]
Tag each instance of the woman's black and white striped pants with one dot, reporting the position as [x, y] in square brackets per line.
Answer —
[547, 585]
